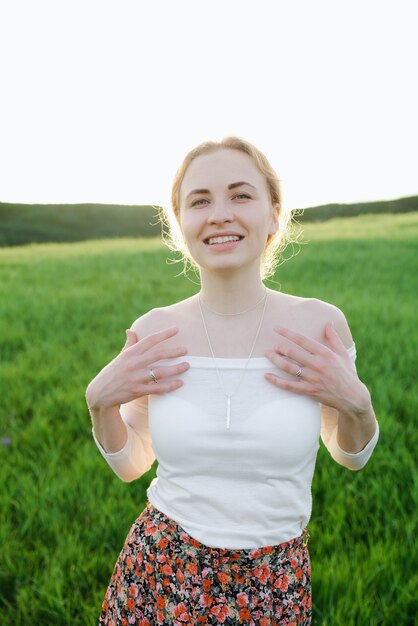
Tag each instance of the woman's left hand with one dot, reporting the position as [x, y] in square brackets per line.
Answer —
[328, 375]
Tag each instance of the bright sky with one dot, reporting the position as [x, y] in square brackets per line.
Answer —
[101, 99]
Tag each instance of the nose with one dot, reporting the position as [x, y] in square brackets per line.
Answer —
[221, 211]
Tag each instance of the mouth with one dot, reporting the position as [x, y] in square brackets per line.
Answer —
[223, 244]
[227, 240]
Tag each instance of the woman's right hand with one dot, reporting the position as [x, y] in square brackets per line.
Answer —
[128, 376]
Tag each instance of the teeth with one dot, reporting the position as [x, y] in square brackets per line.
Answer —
[223, 239]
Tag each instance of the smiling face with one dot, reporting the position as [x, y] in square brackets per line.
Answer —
[212, 201]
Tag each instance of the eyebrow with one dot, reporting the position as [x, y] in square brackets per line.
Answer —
[231, 186]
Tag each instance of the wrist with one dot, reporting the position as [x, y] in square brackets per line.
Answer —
[360, 406]
[94, 403]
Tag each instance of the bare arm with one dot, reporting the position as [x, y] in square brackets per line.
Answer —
[117, 399]
[109, 427]
[331, 379]
[350, 436]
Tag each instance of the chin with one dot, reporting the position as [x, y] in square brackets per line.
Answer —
[234, 265]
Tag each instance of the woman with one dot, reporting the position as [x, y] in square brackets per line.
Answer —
[230, 390]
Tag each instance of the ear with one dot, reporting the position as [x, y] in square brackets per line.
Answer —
[274, 224]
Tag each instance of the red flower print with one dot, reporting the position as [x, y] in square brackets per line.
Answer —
[224, 577]
[221, 612]
[283, 583]
[162, 544]
[192, 568]
[239, 579]
[161, 601]
[150, 529]
[167, 569]
[262, 573]
[180, 576]
[206, 600]
[133, 590]
[242, 599]
[245, 614]
[163, 573]
[180, 612]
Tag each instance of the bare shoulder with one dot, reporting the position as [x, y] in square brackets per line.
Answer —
[321, 312]
[159, 318]
[310, 316]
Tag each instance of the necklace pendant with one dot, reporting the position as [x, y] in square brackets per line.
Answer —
[228, 396]
[228, 412]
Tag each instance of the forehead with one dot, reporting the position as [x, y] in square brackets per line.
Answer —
[218, 169]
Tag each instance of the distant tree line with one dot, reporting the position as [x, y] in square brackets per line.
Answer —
[36, 223]
[328, 211]
[39, 223]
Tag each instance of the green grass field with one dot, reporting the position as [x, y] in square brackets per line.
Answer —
[64, 514]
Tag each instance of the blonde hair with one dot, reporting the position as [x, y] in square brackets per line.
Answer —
[275, 244]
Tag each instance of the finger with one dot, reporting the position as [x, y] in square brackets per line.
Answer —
[286, 365]
[131, 339]
[151, 340]
[290, 350]
[334, 339]
[152, 357]
[163, 387]
[297, 386]
[309, 344]
[165, 371]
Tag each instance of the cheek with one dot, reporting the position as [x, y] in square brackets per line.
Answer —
[189, 235]
[190, 227]
[182, 224]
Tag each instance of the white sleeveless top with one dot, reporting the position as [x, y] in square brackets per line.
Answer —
[248, 486]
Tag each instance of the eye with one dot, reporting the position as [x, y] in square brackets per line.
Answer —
[242, 194]
[197, 201]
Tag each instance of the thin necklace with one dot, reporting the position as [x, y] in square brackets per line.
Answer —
[228, 395]
[241, 312]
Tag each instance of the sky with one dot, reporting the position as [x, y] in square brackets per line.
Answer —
[102, 99]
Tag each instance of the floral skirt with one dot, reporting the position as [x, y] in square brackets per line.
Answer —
[165, 576]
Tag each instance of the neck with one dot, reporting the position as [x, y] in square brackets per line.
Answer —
[231, 293]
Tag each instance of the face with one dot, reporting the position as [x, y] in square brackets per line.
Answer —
[211, 202]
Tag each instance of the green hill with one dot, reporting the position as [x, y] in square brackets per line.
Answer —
[41, 223]
[328, 211]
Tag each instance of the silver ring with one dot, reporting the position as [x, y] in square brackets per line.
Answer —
[153, 376]
[299, 373]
